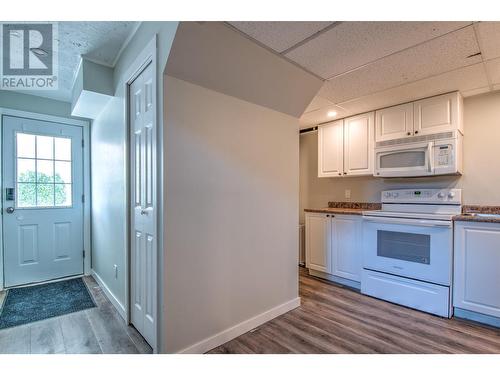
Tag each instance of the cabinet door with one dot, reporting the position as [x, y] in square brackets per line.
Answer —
[394, 122]
[318, 242]
[477, 264]
[358, 144]
[330, 149]
[438, 114]
[347, 260]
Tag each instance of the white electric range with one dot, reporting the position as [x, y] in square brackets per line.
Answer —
[408, 248]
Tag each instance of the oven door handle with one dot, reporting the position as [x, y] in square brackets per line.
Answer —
[403, 221]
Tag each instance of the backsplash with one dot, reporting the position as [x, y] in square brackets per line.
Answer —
[361, 205]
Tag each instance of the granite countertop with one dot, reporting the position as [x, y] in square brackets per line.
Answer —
[345, 208]
[469, 213]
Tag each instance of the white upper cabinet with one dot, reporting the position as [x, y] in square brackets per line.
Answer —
[358, 145]
[438, 114]
[394, 122]
[331, 149]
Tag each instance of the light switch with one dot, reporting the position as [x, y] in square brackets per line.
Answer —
[348, 194]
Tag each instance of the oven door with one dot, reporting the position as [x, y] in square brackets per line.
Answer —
[414, 248]
[410, 160]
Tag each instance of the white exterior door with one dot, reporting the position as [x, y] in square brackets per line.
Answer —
[318, 242]
[331, 149]
[42, 200]
[143, 195]
[358, 145]
[394, 122]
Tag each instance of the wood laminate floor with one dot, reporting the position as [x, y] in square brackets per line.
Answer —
[334, 319]
[93, 331]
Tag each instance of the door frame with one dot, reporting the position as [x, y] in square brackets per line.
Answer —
[147, 56]
[85, 125]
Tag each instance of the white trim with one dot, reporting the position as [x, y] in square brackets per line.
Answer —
[87, 245]
[112, 298]
[241, 328]
[147, 56]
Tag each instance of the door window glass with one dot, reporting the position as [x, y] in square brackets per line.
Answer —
[43, 171]
[410, 247]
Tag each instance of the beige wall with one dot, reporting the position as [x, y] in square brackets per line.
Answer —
[231, 212]
[480, 180]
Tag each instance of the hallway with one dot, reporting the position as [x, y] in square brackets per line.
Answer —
[93, 331]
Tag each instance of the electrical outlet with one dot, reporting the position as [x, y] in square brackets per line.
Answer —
[348, 194]
[116, 271]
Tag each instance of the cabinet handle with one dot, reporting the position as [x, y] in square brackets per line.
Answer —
[327, 215]
[408, 133]
[416, 131]
[340, 174]
[345, 172]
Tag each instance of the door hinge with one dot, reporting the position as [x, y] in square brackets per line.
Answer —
[83, 254]
[83, 198]
[83, 143]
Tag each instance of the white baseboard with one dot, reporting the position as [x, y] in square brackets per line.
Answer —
[241, 328]
[112, 298]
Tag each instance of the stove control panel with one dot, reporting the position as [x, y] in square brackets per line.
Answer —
[423, 196]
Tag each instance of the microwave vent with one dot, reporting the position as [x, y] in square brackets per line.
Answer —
[415, 139]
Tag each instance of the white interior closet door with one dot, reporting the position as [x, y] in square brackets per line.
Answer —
[143, 194]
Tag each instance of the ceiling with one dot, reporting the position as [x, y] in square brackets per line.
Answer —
[370, 65]
[100, 42]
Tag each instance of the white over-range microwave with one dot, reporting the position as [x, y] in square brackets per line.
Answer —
[427, 155]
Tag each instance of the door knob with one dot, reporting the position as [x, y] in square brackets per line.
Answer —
[144, 212]
[10, 210]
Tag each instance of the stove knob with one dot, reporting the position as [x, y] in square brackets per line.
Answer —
[441, 195]
[451, 195]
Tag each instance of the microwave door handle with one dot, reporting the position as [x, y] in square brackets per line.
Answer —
[430, 158]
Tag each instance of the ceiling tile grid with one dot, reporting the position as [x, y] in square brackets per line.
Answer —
[350, 45]
[280, 36]
[437, 56]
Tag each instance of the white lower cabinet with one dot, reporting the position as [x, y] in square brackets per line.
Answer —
[477, 268]
[333, 245]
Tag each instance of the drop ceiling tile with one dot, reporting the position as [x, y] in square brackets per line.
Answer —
[493, 70]
[437, 56]
[349, 45]
[280, 35]
[489, 36]
[463, 79]
[478, 91]
[321, 115]
[317, 103]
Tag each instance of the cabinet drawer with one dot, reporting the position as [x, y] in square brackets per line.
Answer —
[432, 298]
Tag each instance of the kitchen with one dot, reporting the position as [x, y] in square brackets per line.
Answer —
[429, 243]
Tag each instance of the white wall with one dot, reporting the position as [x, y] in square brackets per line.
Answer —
[480, 179]
[109, 137]
[231, 212]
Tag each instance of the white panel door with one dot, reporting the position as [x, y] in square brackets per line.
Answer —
[331, 149]
[318, 242]
[437, 114]
[477, 264]
[358, 144]
[42, 200]
[394, 122]
[143, 195]
[347, 252]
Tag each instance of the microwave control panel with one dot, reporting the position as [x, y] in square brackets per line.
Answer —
[443, 155]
